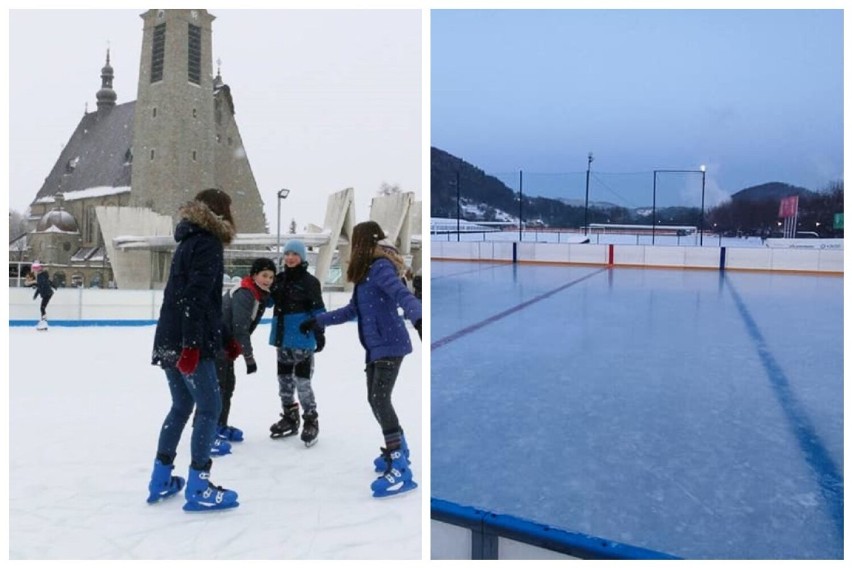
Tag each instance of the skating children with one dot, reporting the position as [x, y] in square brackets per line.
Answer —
[188, 337]
[242, 309]
[43, 288]
[298, 296]
[376, 271]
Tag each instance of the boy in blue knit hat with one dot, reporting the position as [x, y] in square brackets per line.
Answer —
[298, 296]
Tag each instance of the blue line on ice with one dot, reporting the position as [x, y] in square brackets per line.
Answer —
[471, 328]
[828, 476]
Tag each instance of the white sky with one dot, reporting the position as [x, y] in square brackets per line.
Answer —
[324, 99]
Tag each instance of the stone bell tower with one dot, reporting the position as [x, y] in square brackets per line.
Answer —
[174, 133]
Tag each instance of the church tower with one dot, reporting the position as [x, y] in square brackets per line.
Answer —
[174, 135]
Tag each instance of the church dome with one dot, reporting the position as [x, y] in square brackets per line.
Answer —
[60, 219]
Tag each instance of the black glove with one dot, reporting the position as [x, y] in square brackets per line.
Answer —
[251, 366]
[417, 325]
[320, 340]
[308, 325]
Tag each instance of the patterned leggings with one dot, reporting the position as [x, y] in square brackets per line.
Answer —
[295, 369]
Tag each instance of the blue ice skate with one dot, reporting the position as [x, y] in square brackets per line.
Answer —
[229, 433]
[220, 447]
[163, 484]
[379, 463]
[397, 478]
[201, 495]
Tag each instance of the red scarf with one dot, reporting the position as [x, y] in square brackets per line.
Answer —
[256, 291]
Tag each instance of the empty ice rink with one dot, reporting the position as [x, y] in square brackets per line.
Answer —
[693, 412]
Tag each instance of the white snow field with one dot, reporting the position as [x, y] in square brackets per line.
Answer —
[691, 412]
[86, 407]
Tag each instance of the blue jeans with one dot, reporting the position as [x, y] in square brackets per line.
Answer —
[199, 390]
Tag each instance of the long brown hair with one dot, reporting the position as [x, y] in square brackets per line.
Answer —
[365, 237]
[219, 203]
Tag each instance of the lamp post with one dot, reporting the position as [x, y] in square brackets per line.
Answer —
[588, 171]
[282, 194]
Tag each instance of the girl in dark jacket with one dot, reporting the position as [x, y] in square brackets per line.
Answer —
[242, 310]
[376, 271]
[189, 335]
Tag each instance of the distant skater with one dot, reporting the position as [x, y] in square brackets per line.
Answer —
[377, 269]
[43, 288]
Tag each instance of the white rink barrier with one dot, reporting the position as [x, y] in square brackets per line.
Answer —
[95, 306]
[827, 261]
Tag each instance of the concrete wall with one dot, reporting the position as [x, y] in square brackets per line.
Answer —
[795, 260]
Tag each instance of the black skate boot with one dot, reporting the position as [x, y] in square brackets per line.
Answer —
[311, 428]
[289, 423]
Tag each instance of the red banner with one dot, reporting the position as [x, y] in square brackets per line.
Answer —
[789, 207]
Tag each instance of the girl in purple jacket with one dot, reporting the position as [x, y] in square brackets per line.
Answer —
[376, 270]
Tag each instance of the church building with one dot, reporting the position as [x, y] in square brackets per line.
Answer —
[143, 159]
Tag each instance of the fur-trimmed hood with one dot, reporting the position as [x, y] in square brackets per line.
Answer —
[386, 250]
[199, 214]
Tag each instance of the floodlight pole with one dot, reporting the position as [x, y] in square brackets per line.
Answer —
[282, 194]
[588, 171]
[521, 209]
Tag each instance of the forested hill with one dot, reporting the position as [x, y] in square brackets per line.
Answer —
[476, 186]
[772, 191]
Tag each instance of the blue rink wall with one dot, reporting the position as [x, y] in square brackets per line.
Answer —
[692, 413]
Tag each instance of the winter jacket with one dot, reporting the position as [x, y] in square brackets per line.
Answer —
[242, 310]
[374, 303]
[43, 286]
[297, 295]
[191, 314]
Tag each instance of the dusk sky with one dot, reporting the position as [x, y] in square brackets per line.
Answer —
[756, 95]
[324, 99]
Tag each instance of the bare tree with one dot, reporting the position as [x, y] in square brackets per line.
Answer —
[387, 189]
[17, 225]
[292, 230]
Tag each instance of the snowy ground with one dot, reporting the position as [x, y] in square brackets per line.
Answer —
[683, 411]
[86, 407]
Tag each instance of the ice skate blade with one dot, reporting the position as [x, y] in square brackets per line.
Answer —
[198, 508]
[275, 435]
[405, 488]
[311, 442]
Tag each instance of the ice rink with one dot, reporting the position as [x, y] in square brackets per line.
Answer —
[86, 407]
[687, 412]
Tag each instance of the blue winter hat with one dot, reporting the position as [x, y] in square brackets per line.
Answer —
[297, 247]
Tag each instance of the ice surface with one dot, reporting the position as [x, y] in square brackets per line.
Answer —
[638, 406]
[86, 407]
